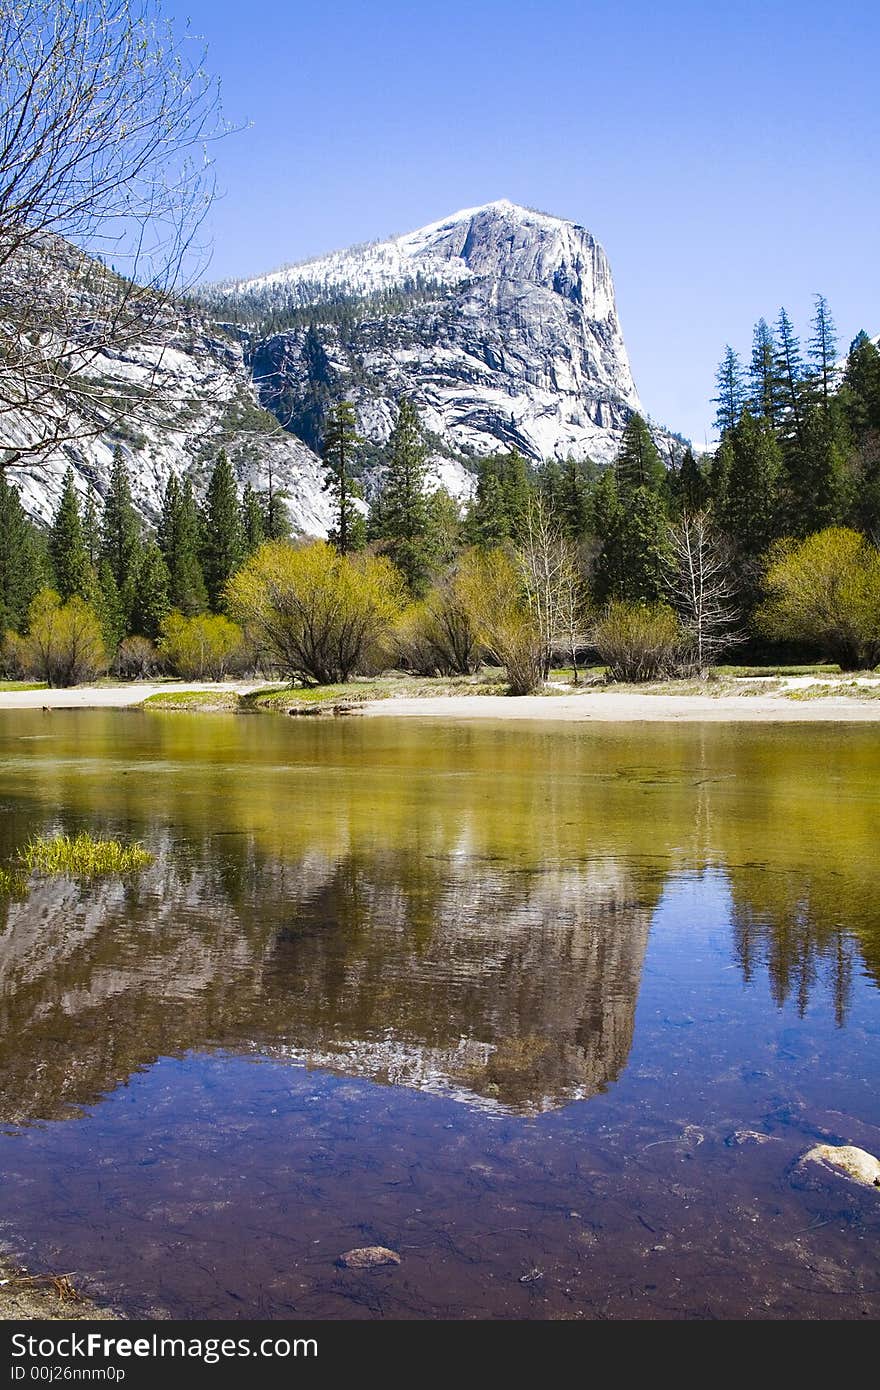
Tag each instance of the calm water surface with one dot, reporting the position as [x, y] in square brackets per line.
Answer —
[551, 1010]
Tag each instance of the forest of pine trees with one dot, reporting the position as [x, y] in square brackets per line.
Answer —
[798, 453]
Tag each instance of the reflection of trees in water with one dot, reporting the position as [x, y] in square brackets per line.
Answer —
[799, 939]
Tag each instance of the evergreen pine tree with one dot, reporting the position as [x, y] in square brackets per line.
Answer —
[151, 598]
[67, 549]
[445, 526]
[861, 386]
[731, 391]
[790, 376]
[403, 505]
[21, 570]
[632, 562]
[859, 401]
[169, 520]
[276, 519]
[92, 531]
[500, 501]
[692, 486]
[763, 400]
[180, 543]
[749, 506]
[517, 485]
[747, 476]
[120, 529]
[108, 603]
[816, 482]
[572, 502]
[252, 523]
[341, 440]
[823, 351]
[488, 523]
[638, 460]
[606, 522]
[224, 543]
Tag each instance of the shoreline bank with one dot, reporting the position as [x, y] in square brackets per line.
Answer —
[28, 1297]
[585, 706]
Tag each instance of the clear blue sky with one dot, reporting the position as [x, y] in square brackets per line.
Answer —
[727, 156]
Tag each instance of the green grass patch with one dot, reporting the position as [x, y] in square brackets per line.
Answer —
[834, 689]
[288, 698]
[13, 884]
[193, 700]
[587, 675]
[83, 856]
[283, 699]
[23, 685]
[754, 672]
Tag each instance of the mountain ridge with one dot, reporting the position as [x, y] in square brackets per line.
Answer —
[499, 322]
[507, 335]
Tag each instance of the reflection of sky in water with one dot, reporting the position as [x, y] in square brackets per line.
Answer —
[490, 977]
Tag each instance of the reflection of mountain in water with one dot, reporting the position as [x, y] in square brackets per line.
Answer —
[461, 908]
[517, 989]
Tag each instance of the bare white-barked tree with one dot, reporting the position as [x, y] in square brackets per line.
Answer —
[701, 589]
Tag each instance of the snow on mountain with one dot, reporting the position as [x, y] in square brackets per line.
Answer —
[504, 332]
[206, 401]
[499, 322]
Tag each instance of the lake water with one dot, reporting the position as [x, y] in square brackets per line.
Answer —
[553, 1011]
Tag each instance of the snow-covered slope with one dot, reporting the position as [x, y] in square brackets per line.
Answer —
[499, 322]
[205, 401]
[502, 327]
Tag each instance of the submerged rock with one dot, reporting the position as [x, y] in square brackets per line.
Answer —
[369, 1257]
[739, 1137]
[854, 1163]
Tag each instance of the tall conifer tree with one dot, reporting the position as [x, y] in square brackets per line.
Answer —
[731, 391]
[763, 401]
[746, 482]
[635, 546]
[120, 529]
[790, 375]
[340, 443]
[92, 530]
[253, 525]
[823, 351]
[638, 460]
[224, 543]
[151, 601]
[180, 544]
[403, 504]
[67, 549]
[20, 560]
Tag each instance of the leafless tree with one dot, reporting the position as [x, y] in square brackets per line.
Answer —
[105, 180]
[699, 583]
[554, 584]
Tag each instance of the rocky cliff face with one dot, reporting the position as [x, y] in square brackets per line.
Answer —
[205, 401]
[499, 322]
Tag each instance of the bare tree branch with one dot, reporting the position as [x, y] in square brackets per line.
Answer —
[554, 584]
[699, 584]
[105, 180]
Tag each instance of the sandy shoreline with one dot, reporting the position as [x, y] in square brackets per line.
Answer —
[115, 696]
[628, 707]
[578, 707]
